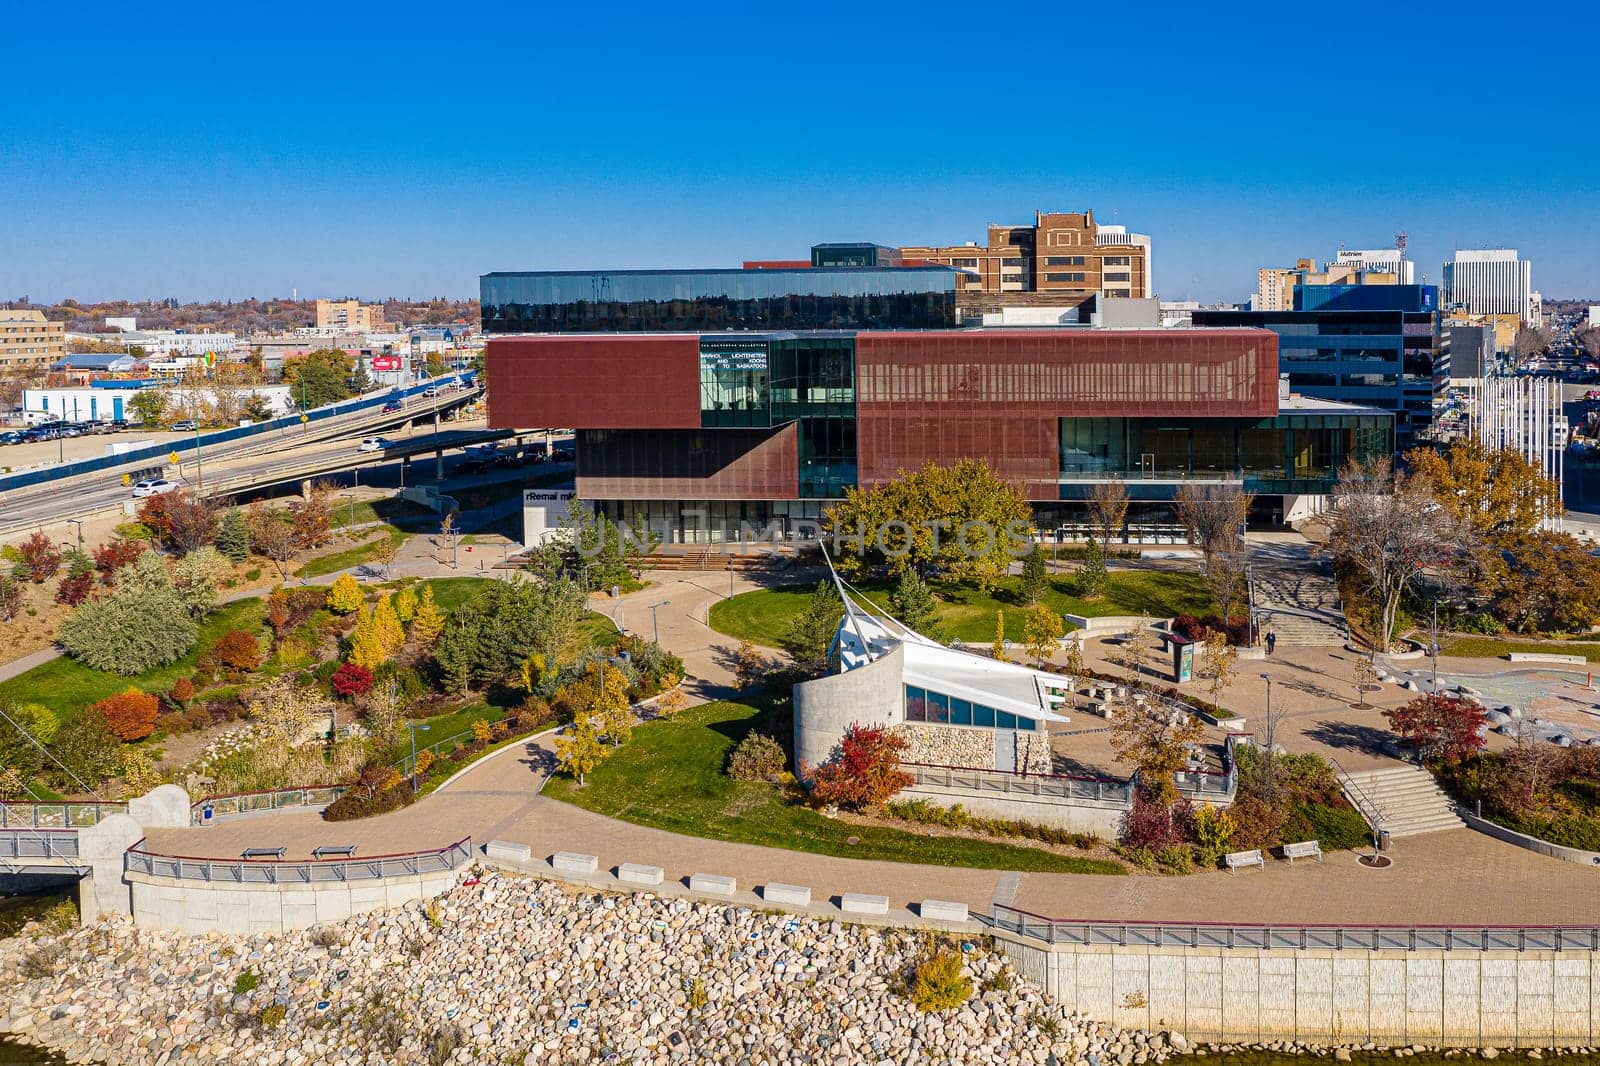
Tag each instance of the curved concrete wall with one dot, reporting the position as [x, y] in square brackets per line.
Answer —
[826, 707]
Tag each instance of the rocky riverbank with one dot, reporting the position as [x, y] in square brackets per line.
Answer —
[515, 970]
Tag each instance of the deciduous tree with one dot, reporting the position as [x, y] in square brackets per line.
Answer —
[429, 620]
[997, 649]
[311, 520]
[865, 772]
[344, 595]
[1444, 728]
[1042, 633]
[1491, 492]
[88, 749]
[40, 558]
[272, 536]
[195, 578]
[1108, 508]
[1388, 531]
[1154, 739]
[578, 749]
[1219, 664]
[285, 711]
[1541, 582]
[1215, 517]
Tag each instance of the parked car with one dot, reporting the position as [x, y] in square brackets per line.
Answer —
[373, 444]
[11, 437]
[155, 486]
[72, 431]
[186, 425]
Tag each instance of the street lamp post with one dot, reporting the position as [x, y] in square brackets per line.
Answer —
[352, 498]
[414, 729]
[1269, 734]
[79, 524]
[655, 627]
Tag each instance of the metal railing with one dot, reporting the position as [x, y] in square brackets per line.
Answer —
[56, 815]
[19, 845]
[270, 800]
[1057, 786]
[1288, 936]
[137, 860]
[1365, 805]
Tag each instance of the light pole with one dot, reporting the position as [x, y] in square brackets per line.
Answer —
[1433, 646]
[79, 524]
[352, 498]
[655, 627]
[1269, 733]
[199, 471]
[414, 729]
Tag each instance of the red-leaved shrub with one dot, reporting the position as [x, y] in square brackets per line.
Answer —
[352, 680]
[866, 771]
[40, 557]
[74, 589]
[114, 555]
[131, 714]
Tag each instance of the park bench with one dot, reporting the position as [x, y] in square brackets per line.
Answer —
[264, 853]
[1235, 859]
[345, 851]
[1305, 849]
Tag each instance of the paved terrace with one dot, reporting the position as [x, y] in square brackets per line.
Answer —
[1456, 876]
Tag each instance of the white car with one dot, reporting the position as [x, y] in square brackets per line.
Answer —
[373, 444]
[155, 486]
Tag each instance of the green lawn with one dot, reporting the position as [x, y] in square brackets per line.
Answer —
[1494, 647]
[763, 616]
[66, 686]
[670, 776]
[361, 553]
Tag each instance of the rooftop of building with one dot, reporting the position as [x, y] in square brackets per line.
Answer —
[929, 268]
[22, 315]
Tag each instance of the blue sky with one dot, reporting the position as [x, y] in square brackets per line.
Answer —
[223, 151]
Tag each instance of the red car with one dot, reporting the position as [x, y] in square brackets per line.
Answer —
[393, 406]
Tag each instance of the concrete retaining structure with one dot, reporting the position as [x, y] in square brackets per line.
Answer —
[1104, 820]
[189, 906]
[1522, 840]
[1448, 998]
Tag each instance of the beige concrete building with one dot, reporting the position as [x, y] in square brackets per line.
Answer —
[350, 315]
[28, 339]
[1275, 285]
[1066, 254]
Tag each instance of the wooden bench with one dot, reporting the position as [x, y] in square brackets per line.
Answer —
[264, 853]
[1235, 859]
[1305, 849]
[342, 850]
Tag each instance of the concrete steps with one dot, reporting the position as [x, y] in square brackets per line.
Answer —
[1402, 800]
[1297, 599]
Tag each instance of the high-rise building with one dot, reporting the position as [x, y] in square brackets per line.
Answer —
[29, 339]
[1489, 281]
[1067, 254]
[351, 316]
[1377, 261]
[1275, 285]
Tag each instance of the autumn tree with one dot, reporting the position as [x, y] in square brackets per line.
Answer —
[1219, 664]
[1214, 516]
[130, 714]
[344, 595]
[271, 536]
[366, 646]
[1108, 508]
[1074, 667]
[40, 558]
[1531, 340]
[1442, 728]
[578, 748]
[997, 650]
[812, 631]
[320, 377]
[1490, 492]
[1042, 633]
[405, 604]
[1366, 681]
[1540, 582]
[285, 711]
[1154, 739]
[961, 518]
[351, 680]
[391, 634]
[672, 702]
[864, 773]
[1387, 531]
[190, 520]
[428, 622]
[750, 666]
[913, 603]
[310, 519]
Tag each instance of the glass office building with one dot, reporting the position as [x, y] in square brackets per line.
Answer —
[705, 301]
[1375, 345]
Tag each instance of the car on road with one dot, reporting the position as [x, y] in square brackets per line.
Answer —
[392, 406]
[155, 486]
[373, 444]
[432, 390]
[11, 436]
[187, 425]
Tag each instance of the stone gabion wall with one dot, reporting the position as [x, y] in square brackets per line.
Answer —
[953, 745]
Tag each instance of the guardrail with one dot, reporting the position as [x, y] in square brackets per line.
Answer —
[296, 872]
[56, 815]
[111, 462]
[22, 844]
[1058, 786]
[1256, 937]
[271, 800]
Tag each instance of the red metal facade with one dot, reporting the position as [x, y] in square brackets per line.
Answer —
[998, 395]
[612, 381]
[709, 464]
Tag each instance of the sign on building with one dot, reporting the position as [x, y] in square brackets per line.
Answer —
[543, 511]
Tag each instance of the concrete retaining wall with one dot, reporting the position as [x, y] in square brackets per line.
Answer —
[1457, 998]
[189, 906]
[1523, 840]
[1076, 816]
[826, 707]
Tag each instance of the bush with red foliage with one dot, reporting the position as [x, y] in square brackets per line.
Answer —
[1188, 625]
[114, 555]
[131, 714]
[352, 680]
[235, 651]
[75, 588]
[865, 772]
[1443, 728]
[40, 558]
[1150, 825]
[1237, 628]
[182, 690]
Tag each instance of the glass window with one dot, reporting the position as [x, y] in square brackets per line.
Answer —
[938, 708]
[1005, 720]
[982, 715]
[916, 704]
[960, 712]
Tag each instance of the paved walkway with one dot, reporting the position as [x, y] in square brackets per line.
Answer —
[1451, 877]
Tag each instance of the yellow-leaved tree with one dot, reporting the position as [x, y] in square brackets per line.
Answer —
[1042, 633]
[366, 646]
[428, 622]
[344, 595]
[405, 605]
[391, 634]
[578, 750]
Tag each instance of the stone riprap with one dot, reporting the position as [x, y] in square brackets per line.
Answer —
[516, 970]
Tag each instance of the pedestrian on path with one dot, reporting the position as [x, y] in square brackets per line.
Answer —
[1272, 642]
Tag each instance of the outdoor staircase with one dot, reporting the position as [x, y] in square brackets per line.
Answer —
[1401, 800]
[1296, 598]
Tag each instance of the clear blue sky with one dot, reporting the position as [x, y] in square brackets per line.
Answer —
[224, 150]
